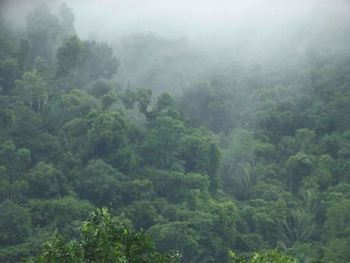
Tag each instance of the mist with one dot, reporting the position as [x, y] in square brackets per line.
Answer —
[237, 30]
[175, 131]
[196, 20]
[253, 29]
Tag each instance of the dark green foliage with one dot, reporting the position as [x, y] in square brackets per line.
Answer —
[15, 223]
[99, 62]
[100, 183]
[69, 56]
[45, 181]
[9, 72]
[81, 62]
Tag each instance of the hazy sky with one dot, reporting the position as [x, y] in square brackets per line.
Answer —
[186, 17]
[194, 17]
[212, 21]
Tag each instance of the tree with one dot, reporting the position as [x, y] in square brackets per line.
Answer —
[70, 56]
[46, 181]
[108, 133]
[298, 165]
[63, 215]
[99, 62]
[23, 54]
[67, 18]
[213, 165]
[103, 239]
[43, 31]
[9, 72]
[33, 91]
[15, 223]
[298, 227]
[101, 184]
[163, 141]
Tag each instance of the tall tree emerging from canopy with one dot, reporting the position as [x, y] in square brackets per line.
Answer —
[67, 18]
[80, 62]
[69, 56]
[43, 31]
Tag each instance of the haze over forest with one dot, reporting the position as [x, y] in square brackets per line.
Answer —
[270, 23]
[212, 131]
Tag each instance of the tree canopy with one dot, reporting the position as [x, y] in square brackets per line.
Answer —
[129, 151]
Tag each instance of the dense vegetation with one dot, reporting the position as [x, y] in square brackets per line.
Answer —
[252, 157]
[104, 240]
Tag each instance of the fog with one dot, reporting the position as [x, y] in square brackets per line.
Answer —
[208, 20]
[196, 19]
[219, 127]
[218, 32]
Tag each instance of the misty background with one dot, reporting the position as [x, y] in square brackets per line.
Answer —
[189, 40]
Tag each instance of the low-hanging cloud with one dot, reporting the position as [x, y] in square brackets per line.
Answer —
[193, 18]
[252, 29]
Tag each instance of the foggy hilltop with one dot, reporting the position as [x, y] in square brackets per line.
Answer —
[175, 131]
[199, 20]
[218, 32]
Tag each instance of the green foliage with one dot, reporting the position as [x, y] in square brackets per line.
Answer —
[162, 143]
[108, 132]
[103, 239]
[15, 223]
[69, 56]
[80, 62]
[249, 155]
[63, 215]
[337, 218]
[100, 61]
[298, 227]
[32, 90]
[46, 181]
[9, 72]
[263, 257]
[100, 183]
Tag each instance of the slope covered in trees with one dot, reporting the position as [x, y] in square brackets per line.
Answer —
[250, 158]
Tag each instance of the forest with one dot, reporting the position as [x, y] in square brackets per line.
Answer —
[148, 148]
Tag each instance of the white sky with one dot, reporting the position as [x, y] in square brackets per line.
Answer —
[191, 18]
